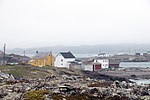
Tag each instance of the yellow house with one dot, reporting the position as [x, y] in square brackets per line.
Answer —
[42, 59]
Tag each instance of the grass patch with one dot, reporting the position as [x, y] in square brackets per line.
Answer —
[36, 95]
[74, 97]
[16, 71]
[118, 98]
[21, 71]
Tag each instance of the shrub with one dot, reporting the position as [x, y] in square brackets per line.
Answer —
[35, 95]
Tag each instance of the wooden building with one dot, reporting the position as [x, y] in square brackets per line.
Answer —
[42, 59]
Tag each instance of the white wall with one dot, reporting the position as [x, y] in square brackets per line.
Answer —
[104, 62]
[103, 55]
[60, 61]
[88, 67]
[67, 61]
[76, 66]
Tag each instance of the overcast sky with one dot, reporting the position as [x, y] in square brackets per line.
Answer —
[41, 23]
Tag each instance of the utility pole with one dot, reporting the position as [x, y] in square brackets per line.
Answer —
[4, 54]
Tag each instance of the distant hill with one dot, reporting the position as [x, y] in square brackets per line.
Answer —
[88, 49]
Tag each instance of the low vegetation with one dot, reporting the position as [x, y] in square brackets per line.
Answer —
[75, 97]
[21, 71]
[36, 95]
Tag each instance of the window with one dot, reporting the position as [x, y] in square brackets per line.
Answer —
[61, 63]
[61, 60]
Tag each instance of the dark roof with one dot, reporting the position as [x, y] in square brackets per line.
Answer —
[102, 54]
[67, 54]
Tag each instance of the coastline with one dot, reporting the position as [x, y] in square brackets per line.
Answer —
[129, 73]
[69, 84]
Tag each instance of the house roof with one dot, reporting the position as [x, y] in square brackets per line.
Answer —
[102, 54]
[100, 58]
[67, 54]
[41, 55]
[87, 62]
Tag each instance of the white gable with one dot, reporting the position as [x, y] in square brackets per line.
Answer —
[60, 61]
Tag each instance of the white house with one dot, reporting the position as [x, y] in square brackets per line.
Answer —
[75, 65]
[88, 65]
[63, 59]
[103, 55]
[95, 64]
[104, 62]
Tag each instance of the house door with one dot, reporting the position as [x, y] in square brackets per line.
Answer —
[98, 67]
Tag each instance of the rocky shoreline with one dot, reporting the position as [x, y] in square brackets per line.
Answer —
[66, 86]
[128, 73]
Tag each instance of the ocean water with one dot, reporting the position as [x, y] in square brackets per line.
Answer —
[135, 64]
[141, 81]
